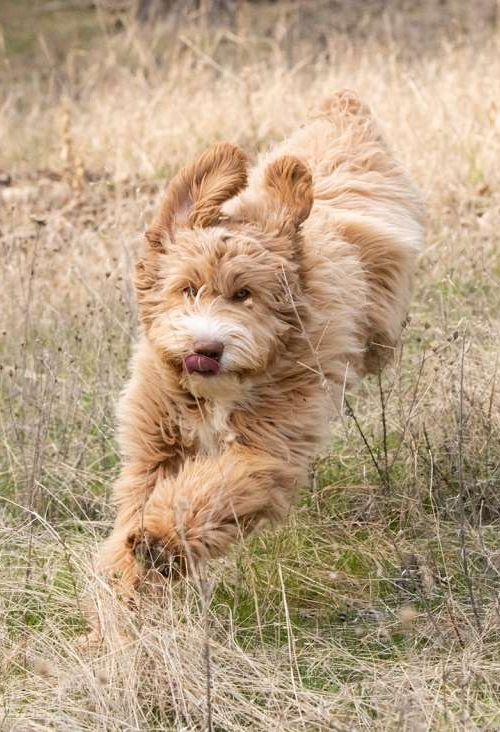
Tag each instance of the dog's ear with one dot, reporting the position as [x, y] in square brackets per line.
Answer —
[288, 186]
[195, 196]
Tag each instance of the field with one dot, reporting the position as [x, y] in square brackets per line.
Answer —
[376, 605]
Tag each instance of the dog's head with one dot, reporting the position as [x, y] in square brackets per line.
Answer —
[219, 286]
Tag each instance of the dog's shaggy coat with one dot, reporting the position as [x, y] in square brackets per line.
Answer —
[299, 276]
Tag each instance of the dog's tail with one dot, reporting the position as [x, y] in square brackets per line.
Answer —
[345, 110]
[345, 102]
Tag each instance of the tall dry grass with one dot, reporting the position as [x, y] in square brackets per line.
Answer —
[376, 606]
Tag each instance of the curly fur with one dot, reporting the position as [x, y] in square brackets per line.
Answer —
[324, 235]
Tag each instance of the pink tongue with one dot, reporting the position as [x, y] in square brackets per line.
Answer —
[197, 363]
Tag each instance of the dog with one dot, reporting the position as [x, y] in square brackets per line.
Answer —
[261, 295]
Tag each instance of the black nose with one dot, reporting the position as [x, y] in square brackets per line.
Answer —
[212, 349]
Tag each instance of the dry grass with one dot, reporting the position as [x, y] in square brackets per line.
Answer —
[376, 606]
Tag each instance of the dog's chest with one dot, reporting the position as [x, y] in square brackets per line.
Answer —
[213, 430]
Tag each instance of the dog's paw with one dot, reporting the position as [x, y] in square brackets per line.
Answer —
[152, 553]
[118, 565]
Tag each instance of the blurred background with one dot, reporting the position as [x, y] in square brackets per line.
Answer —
[70, 23]
[376, 605]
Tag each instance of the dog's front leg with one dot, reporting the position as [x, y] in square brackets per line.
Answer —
[211, 503]
[130, 494]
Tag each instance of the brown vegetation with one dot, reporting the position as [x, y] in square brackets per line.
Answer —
[376, 605]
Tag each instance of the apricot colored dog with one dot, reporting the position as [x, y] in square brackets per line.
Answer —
[261, 294]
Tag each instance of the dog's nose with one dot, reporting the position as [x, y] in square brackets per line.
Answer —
[212, 349]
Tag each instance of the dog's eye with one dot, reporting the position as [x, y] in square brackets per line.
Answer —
[242, 294]
[190, 291]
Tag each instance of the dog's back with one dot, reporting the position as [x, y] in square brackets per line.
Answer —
[364, 197]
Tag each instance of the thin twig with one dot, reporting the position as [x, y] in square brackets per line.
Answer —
[410, 411]
[463, 547]
[350, 413]
[384, 428]
[205, 594]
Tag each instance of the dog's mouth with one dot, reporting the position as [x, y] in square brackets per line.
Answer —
[197, 363]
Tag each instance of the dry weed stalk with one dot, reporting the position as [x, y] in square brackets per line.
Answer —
[73, 165]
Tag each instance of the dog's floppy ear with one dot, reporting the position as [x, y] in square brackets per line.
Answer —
[288, 184]
[195, 196]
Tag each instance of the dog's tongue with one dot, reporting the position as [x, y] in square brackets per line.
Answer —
[199, 364]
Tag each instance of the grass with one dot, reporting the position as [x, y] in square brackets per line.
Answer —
[376, 605]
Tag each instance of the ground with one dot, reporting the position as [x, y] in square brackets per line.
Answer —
[376, 605]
